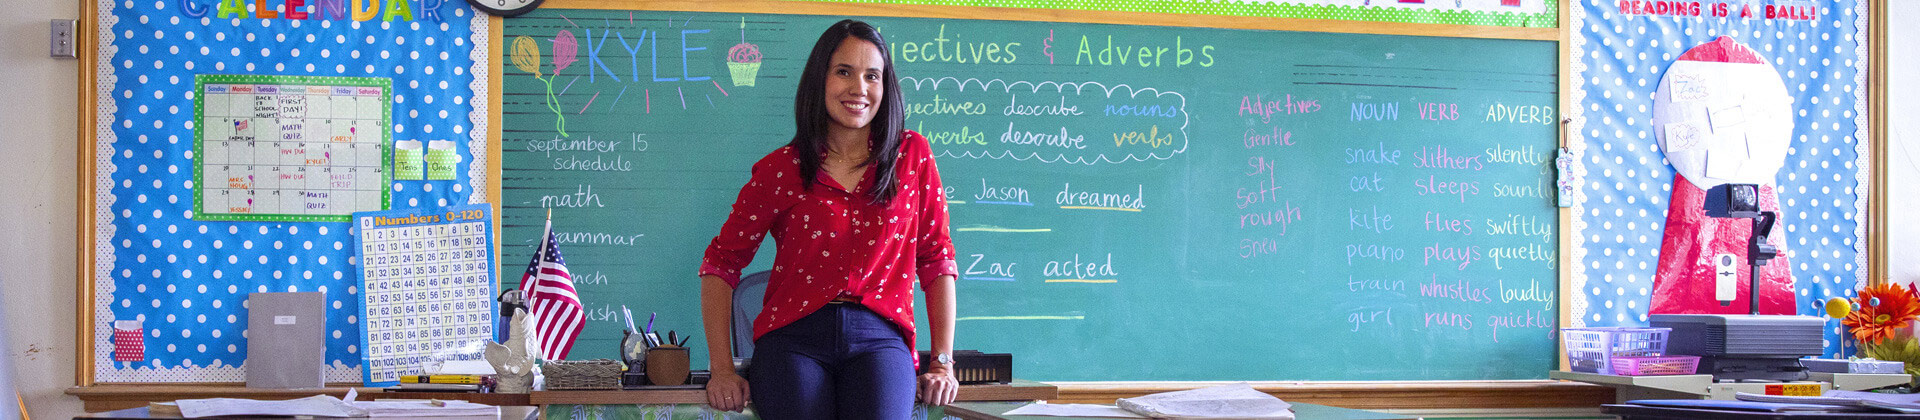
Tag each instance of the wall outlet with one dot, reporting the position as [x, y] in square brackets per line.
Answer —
[61, 38]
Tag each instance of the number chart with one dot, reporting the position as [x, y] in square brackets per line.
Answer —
[290, 148]
[427, 278]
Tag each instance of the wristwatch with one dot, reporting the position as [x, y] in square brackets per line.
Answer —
[945, 359]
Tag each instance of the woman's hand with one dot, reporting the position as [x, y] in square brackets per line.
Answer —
[938, 387]
[727, 391]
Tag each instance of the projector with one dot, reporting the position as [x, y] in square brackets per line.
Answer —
[1764, 347]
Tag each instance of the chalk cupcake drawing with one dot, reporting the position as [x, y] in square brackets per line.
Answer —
[743, 60]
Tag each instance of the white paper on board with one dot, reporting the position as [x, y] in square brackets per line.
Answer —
[1688, 87]
[1684, 136]
[1725, 159]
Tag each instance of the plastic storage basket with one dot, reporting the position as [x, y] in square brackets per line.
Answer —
[1593, 349]
[1655, 365]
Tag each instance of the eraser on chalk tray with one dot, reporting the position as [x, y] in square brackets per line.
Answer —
[1853, 366]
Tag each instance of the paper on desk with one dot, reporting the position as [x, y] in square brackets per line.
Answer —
[425, 408]
[466, 367]
[1073, 410]
[1237, 401]
[1893, 401]
[318, 405]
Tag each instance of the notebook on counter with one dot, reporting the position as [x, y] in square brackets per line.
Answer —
[286, 340]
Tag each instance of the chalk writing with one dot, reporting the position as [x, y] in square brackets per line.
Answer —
[1063, 136]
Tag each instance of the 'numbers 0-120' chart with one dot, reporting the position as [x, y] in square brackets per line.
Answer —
[426, 276]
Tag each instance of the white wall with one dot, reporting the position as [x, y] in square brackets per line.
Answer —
[37, 151]
[1903, 156]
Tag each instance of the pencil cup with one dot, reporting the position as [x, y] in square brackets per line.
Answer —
[667, 365]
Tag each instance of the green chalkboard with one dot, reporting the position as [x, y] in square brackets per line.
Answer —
[1129, 203]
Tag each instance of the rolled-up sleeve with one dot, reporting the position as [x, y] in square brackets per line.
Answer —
[933, 253]
[760, 203]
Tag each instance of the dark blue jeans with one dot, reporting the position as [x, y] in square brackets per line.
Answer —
[841, 362]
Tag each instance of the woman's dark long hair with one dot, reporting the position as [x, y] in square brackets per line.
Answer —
[810, 116]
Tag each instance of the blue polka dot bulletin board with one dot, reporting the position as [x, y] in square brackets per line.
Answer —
[1626, 180]
[183, 278]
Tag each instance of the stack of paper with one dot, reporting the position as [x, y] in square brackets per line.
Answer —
[1904, 403]
[327, 406]
[1237, 401]
[425, 408]
[1737, 405]
[317, 406]
[1073, 410]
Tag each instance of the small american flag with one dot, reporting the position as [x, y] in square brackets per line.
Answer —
[556, 309]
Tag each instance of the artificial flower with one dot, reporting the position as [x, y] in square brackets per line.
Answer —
[1884, 310]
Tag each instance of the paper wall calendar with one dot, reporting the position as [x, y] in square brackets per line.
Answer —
[290, 148]
[426, 279]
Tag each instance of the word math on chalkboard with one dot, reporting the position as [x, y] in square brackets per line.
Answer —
[290, 148]
[426, 276]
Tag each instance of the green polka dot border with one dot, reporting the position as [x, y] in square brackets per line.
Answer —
[1549, 19]
[199, 212]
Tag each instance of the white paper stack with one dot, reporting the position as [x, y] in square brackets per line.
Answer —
[317, 406]
[1237, 401]
[422, 408]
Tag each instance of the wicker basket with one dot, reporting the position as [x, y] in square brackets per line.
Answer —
[582, 374]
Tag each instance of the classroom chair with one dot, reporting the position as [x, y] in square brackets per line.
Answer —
[746, 306]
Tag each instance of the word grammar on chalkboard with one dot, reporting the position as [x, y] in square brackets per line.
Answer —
[1128, 203]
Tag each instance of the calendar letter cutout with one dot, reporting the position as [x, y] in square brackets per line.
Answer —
[427, 279]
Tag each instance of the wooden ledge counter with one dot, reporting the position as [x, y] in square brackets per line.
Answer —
[109, 397]
[1019, 390]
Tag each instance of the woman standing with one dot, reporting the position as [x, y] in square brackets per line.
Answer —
[855, 206]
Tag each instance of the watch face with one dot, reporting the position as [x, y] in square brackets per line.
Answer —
[505, 7]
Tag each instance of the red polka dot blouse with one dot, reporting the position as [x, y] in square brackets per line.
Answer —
[831, 242]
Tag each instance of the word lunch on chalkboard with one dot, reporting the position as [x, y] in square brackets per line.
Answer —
[1128, 202]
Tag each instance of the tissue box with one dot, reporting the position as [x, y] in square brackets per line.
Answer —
[1853, 366]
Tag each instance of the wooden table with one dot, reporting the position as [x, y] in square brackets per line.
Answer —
[1302, 411]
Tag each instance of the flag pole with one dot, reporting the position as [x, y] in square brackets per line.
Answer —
[527, 295]
[542, 249]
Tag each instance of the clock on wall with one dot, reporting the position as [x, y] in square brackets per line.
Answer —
[505, 8]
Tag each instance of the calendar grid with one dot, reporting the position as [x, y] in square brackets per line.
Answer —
[428, 286]
[291, 148]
